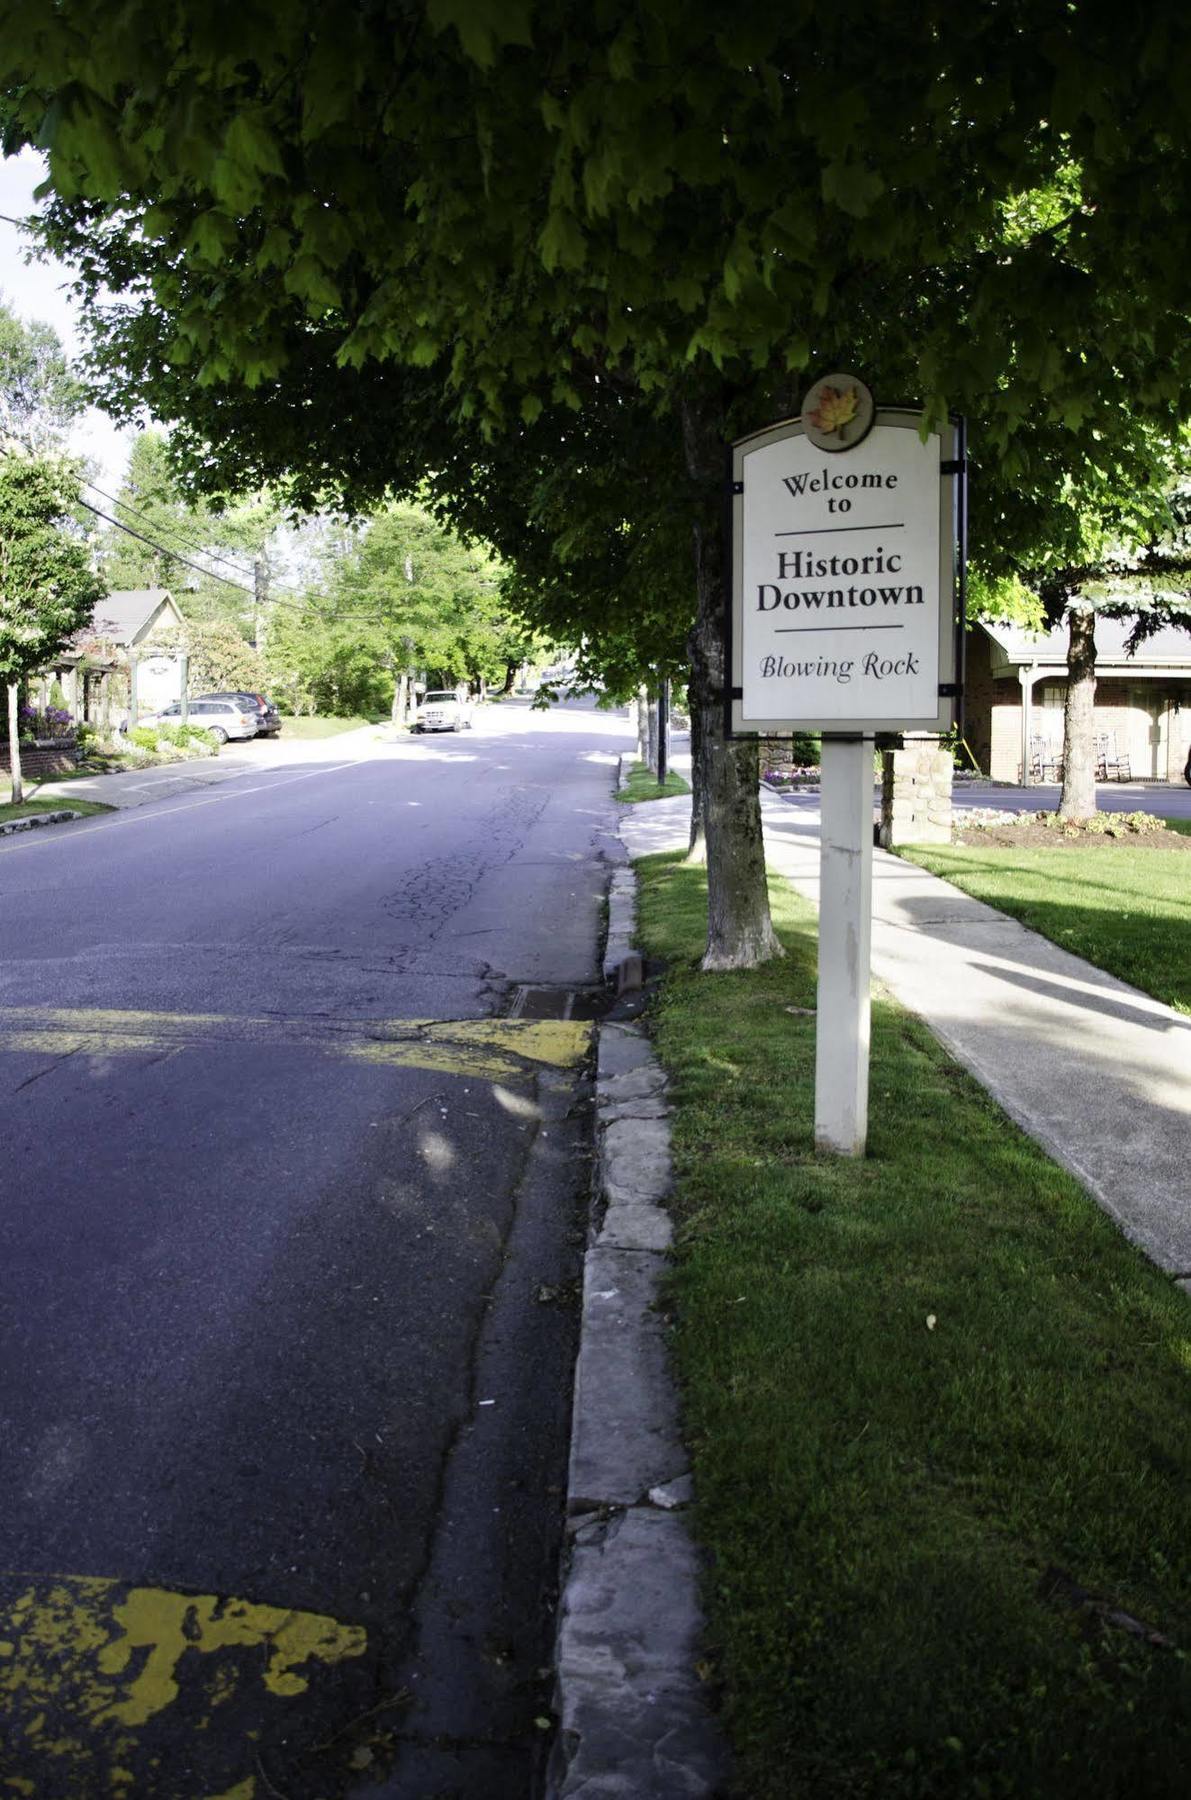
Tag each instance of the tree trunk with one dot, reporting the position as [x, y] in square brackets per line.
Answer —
[397, 714]
[14, 746]
[1078, 798]
[510, 677]
[740, 933]
[642, 705]
[697, 850]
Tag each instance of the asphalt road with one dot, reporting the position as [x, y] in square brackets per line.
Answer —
[294, 1159]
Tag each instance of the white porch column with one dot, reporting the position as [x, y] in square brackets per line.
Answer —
[1027, 678]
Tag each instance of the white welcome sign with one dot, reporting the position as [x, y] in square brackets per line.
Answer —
[846, 564]
[844, 576]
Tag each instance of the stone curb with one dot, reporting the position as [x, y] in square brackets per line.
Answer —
[36, 819]
[622, 904]
[634, 1718]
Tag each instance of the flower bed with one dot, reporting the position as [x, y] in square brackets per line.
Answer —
[791, 775]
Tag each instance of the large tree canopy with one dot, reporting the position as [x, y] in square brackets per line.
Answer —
[398, 230]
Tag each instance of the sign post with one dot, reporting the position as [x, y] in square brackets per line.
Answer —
[846, 619]
[842, 1007]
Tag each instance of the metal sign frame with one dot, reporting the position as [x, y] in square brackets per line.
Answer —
[952, 560]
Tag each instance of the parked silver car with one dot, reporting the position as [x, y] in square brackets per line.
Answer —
[268, 719]
[224, 719]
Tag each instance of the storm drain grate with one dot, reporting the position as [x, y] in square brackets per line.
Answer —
[557, 1003]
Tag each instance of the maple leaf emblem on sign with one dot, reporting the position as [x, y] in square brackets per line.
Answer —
[837, 407]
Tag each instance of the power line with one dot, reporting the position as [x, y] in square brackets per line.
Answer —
[164, 549]
[273, 599]
[173, 531]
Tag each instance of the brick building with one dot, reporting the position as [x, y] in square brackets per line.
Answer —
[1015, 684]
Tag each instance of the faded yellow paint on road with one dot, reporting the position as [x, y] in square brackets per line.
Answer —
[482, 1049]
[560, 1042]
[87, 1664]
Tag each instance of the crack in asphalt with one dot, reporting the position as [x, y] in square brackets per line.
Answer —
[437, 890]
[48, 1070]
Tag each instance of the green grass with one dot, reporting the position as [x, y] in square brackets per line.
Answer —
[883, 1503]
[1183, 825]
[321, 727]
[28, 808]
[642, 785]
[1126, 908]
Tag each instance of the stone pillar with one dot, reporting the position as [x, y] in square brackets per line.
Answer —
[916, 794]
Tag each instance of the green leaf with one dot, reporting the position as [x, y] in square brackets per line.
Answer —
[622, 54]
[251, 145]
[562, 244]
[276, 248]
[307, 280]
[847, 184]
[798, 352]
[211, 236]
[484, 26]
[531, 408]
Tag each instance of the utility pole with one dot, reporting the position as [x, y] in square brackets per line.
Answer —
[260, 583]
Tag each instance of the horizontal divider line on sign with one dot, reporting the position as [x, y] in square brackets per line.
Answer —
[827, 530]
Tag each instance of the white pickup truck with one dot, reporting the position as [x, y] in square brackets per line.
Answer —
[442, 710]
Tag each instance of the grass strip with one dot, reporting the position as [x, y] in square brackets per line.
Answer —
[28, 808]
[642, 784]
[937, 1408]
[1126, 908]
[321, 727]
[1183, 825]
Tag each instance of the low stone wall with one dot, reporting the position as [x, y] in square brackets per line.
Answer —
[39, 765]
[916, 794]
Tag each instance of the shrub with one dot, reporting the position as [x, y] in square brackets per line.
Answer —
[186, 737]
[53, 722]
[143, 736]
[1102, 824]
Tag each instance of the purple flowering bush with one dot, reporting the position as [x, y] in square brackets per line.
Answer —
[46, 722]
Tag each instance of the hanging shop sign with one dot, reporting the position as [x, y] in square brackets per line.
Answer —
[847, 569]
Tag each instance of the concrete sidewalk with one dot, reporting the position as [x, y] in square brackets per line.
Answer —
[1094, 1070]
[137, 787]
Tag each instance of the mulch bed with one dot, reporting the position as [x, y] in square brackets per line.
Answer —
[1031, 835]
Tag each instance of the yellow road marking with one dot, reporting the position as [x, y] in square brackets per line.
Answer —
[87, 1664]
[487, 1049]
[560, 1042]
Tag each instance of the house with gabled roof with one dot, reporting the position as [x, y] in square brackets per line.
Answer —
[133, 618]
[132, 624]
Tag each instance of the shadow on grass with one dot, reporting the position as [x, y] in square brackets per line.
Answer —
[1128, 914]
